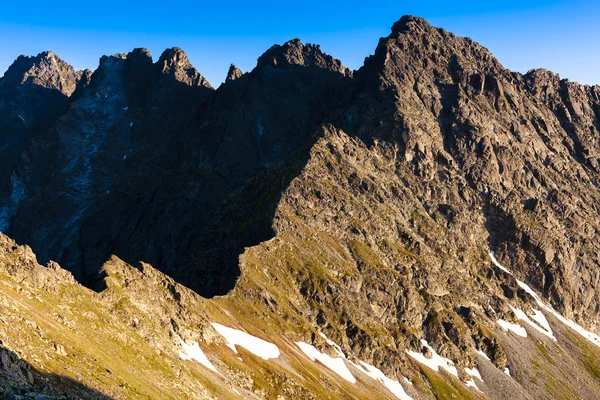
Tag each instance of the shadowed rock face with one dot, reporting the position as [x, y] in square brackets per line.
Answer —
[33, 93]
[19, 380]
[247, 127]
[72, 169]
[147, 152]
[296, 53]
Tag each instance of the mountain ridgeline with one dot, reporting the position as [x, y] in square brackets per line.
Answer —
[139, 160]
[370, 200]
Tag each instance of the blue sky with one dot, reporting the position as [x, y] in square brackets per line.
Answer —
[562, 36]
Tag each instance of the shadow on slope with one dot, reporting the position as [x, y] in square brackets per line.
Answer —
[19, 379]
[26, 113]
[221, 179]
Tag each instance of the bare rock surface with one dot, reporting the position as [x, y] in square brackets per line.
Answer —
[233, 73]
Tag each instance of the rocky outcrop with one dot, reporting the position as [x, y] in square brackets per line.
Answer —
[233, 73]
[174, 62]
[296, 53]
[45, 70]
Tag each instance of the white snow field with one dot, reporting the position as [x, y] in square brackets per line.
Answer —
[435, 362]
[592, 337]
[336, 364]
[254, 345]
[194, 352]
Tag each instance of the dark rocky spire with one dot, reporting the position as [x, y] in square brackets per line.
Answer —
[233, 73]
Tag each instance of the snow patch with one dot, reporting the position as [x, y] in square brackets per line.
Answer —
[435, 362]
[496, 263]
[515, 328]
[335, 364]
[260, 128]
[592, 337]
[482, 354]
[539, 317]
[393, 386]
[370, 370]
[474, 372]
[254, 345]
[194, 352]
[471, 383]
[543, 326]
[336, 348]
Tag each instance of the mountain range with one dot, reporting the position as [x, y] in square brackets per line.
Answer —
[423, 227]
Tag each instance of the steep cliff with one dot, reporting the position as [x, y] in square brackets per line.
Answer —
[33, 94]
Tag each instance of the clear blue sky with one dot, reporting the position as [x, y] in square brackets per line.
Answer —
[562, 36]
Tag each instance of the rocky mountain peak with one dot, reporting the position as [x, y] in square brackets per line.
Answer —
[408, 23]
[44, 70]
[415, 71]
[140, 55]
[418, 46]
[233, 73]
[541, 82]
[174, 56]
[176, 63]
[294, 52]
[115, 61]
